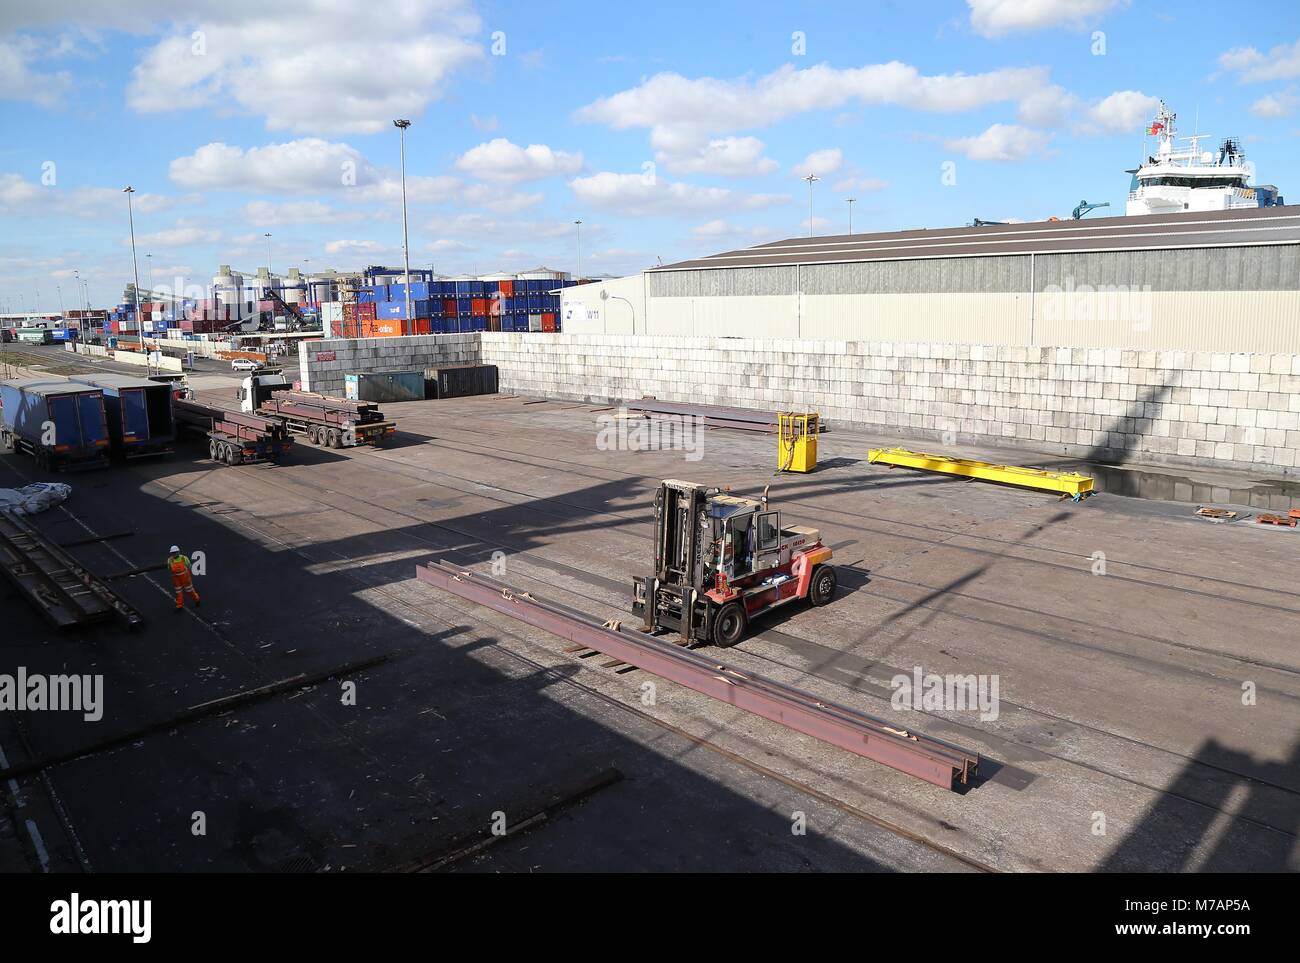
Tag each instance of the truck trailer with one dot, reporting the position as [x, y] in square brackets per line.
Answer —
[62, 424]
[139, 411]
[234, 437]
[326, 421]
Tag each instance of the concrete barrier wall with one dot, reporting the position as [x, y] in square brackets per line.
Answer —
[160, 362]
[1238, 411]
[323, 364]
[127, 357]
[1200, 409]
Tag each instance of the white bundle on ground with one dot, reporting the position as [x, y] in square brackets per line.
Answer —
[34, 498]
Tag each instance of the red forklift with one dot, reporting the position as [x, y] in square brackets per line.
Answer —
[721, 560]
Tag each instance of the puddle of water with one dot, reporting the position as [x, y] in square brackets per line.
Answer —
[1268, 494]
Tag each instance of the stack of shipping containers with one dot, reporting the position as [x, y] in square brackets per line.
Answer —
[449, 306]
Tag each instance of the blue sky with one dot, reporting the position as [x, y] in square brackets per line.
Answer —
[671, 130]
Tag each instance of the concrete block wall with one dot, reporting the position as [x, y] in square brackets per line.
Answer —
[1199, 409]
[344, 356]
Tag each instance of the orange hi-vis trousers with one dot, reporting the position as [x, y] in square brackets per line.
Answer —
[181, 581]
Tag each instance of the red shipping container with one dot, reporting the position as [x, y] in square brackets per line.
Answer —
[478, 306]
[422, 326]
[548, 321]
[449, 307]
[508, 288]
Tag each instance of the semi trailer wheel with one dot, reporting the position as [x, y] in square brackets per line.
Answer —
[823, 585]
[728, 625]
[212, 449]
[335, 441]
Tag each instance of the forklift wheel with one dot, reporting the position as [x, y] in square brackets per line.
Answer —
[823, 585]
[728, 625]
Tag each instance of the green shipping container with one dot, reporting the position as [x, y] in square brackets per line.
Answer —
[387, 386]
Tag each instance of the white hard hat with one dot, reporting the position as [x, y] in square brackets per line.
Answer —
[175, 549]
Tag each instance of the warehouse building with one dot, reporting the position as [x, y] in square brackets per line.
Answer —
[1221, 281]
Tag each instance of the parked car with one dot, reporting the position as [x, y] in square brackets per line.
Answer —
[244, 364]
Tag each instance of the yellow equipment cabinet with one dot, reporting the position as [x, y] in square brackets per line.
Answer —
[797, 441]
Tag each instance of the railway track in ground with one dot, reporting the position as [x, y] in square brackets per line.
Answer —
[793, 642]
[403, 600]
[941, 536]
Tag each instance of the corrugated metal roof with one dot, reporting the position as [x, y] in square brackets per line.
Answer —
[116, 381]
[1269, 225]
[38, 386]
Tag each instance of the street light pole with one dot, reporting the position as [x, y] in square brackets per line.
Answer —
[579, 226]
[851, 200]
[148, 259]
[135, 269]
[401, 126]
[811, 179]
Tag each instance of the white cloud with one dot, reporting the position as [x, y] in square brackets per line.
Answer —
[719, 230]
[17, 193]
[1280, 63]
[722, 157]
[445, 245]
[1001, 142]
[19, 196]
[1279, 104]
[352, 247]
[820, 162]
[305, 166]
[301, 67]
[1122, 112]
[485, 124]
[1048, 106]
[642, 194]
[296, 212]
[20, 81]
[993, 18]
[683, 113]
[863, 185]
[182, 235]
[498, 201]
[298, 166]
[500, 160]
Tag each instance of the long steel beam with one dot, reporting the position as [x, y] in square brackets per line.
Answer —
[714, 416]
[933, 760]
[1064, 482]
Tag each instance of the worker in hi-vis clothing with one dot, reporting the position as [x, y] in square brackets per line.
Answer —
[182, 580]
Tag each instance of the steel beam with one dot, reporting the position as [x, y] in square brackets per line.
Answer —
[933, 760]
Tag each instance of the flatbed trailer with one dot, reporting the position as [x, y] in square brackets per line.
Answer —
[234, 438]
[326, 421]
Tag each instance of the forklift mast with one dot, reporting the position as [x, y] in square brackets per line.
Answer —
[680, 519]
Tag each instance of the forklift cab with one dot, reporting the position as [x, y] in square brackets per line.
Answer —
[751, 542]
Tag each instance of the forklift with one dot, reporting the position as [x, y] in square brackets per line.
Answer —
[721, 560]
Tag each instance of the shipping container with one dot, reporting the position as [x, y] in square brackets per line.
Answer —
[478, 306]
[507, 288]
[383, 387]
[459, 381]
[138, 412]
[60, 423]
[548, 321]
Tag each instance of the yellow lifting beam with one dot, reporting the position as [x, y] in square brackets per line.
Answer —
[1067, 483]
